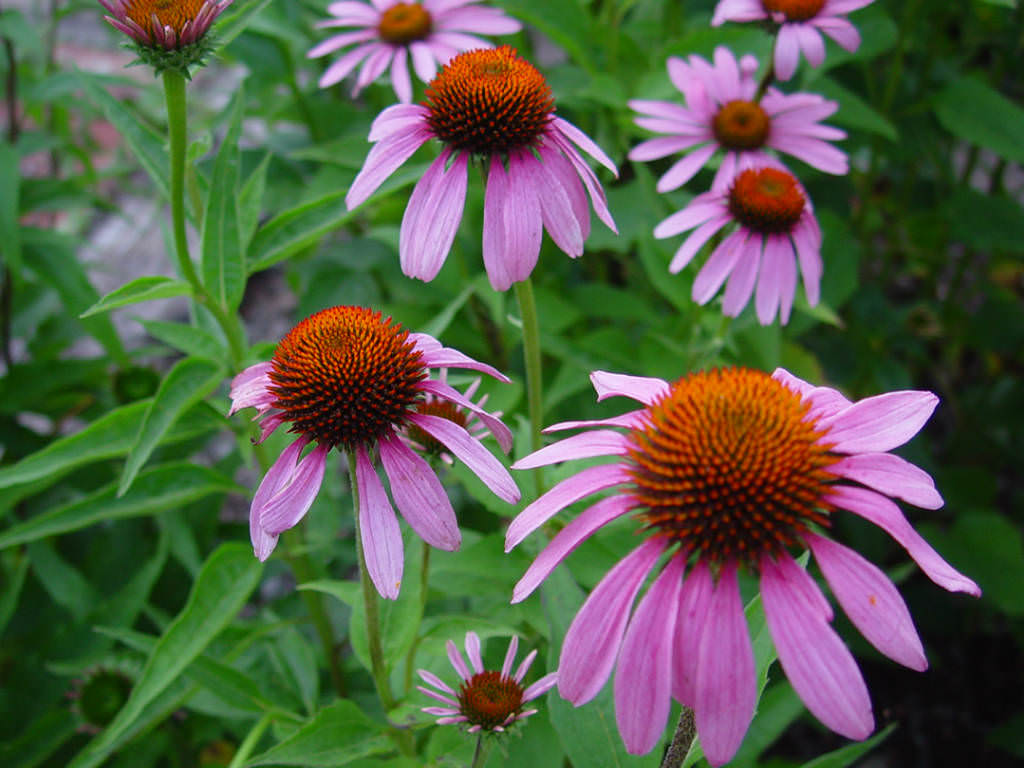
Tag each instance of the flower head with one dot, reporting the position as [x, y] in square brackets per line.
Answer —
[494, 107]
[724, 470]
[389, 32]
[348, 378]
[419, 439]
[721, 113]
[487, 700]
[774, 228]
[801, 23]
[170, 34]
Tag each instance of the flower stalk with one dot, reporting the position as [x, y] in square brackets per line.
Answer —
[177, 125]
[534, 381]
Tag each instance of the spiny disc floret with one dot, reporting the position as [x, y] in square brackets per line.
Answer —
[741, 124]
[727, 465]
[445, 410]
[766, 200]
[489, 699]
[346, 376]
[168, 13]
[404, 23]
[794, 10]
[489, 101]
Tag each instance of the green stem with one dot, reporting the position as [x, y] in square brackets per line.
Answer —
[380, 676]
[251, 740]
[177, 122]
[410, 658]
[534, 382]
[483, 748]
[682, 740]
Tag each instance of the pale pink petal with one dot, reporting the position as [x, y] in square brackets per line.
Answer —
[787, 281]
[694, 603]
[642, 388]
[524, 667]
[567, 539]
[825, 401]
[384, 158]
[473, 651]
[456, 659]
[776, 251]
[597, 196]
[696, 241]
[871, 601]
[582, 446]
[446, 711]
[278, 476]
[891, 475]
[584, 142]
[249, 388]
[510, 656]
[512, 223]
[292, 500]
[482, 21]
[630, 420]
[493, 424]
[432, 679]
[662, 146]
[879, 423]
[540, 687]
[419, 495]
[436, 356]
[840, 30]
[811, 44]
[400, 79]
[719, 266]
[816, 662]
[360, 13]
[808, 251]
[340, 69]
[381, 536]
[432, 218]
[592, 642]
[685, 168]
[696, 213]
[558, 200]
[440, 697]
[396, 118]
[787, 52]
[423, 61]
[743, 277]
[818, 154]
[331, 44]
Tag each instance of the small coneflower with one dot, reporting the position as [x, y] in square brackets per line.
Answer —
[486, 700]
[170, 34]
[721, 114]
[350, 379]
[774, 228]
[801, 23]
[422, 441]
[724, 470]
[493, 107]
[390, 32]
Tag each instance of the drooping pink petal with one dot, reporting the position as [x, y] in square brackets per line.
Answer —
[378, 526]
[811, 44]
[592, 642]
[292, 500]
[743, 277]
[584, 142]
[582, 446]
[438, 696]
[494, 425]
[879, 423]
[891, 475]
[567, 539]
[718, 266]
[400, 79]
[643, 678]
[512, 224]
[340, 69]
[692, 244]
[432, 679]
[769, 285]
[278, 476]
[825, 401]
[726, 689]
[249, 389]
[333, 43]
[384, 159]
[432, 217]
[842, 31]
[631, 419]
[568, 491]
[787, 52]
[685, 168]
[871, 601]
[597, 196]
[556, 194]
[645, 389]
[808, 251]
[817, 663]
[419, 495]
[397, 118]
[436, 356]
[423, 61]
[694, 602]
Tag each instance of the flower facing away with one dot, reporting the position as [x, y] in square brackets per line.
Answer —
[420, 440]
[347, 378]
[774, 228]
[387, 33]
[727, 469]
[487, 700]
[494, 107]
[801, 23]
[171, 34]
[721, 114]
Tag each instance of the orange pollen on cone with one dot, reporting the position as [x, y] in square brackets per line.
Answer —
[728, 466]
[741, 125]
[446, 410]
[795, 10]
[488, 699]
[169, 13]
[346, 376]
[404, 23]
[489, 101]
[766, 200]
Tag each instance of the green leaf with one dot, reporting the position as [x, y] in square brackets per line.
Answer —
[188, 382]
[985, 221]
[297, 228]
[849, 754]
[250, 202]
[189, 339]
[14, 579]
[223, 258]
[148, 146]
[338, 735]
[567, 22]
[163, 487]
[224, 584]
[140, 289]
[230, 25]
[64, 583]
[977, 113]
[854, 112]
[10, 194]
[40, 740]
[109, 436]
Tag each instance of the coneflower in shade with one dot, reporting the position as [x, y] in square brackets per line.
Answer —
[493, 107]
[772, 228]
[486, 700]
[350, 379]
[432, 405]
[721, 114]
[724, 470]
[387, 33]
[170, 35]
[801, 23]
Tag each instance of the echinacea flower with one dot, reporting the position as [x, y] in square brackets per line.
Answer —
[801, 23]
[775, 228]
[390, 32]
[722, 113]
[420, 440]
[724, 470]
[170, 35]
[347, 378]
[487, 700]
[493, 107]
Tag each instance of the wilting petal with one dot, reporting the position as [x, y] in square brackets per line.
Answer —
[512, 224]
[381, 536]
[419, 495]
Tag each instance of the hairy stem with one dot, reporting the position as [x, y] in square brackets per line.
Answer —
[682, 740]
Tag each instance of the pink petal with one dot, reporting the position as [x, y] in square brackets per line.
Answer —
[590, 181]
[456, 659]
[292, 500]
[512, 224]
[432, 679]
[694, 603]
[384, 159]
[840, 30]
[743, 277]
[473, 651]
[808, 251]
[249, 388]
[524, 667]
[396, 118]
[662, 146]
[510, 656]
[880, 423]
[419, 495]
[400, 79]
[494, 425]
[642, 388]
[811, 44]
[540, 687]
[341, 68]
[719, 266]
[825, 401]
[891, 475]
[582, 446]
[870, 600]
[584, 142]
[726, 690]
[423, 61]
[631, 420]
[643, 679]
[436, 356]
[685, 168]
[696, 213]
[381, 536]
[593, 639]
[432, 218]
[787, 52]
[696, 241]
[819, 666]
[559, 196]
[278, 476]
[333, 43]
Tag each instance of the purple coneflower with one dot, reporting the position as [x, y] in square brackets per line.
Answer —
[775, 228]
[487, 700]
[801, 23]
[420, 440]
[727, 469]
[721, 113]
[174, 25]
[389, 32]
[491, 106]
[347, 378]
